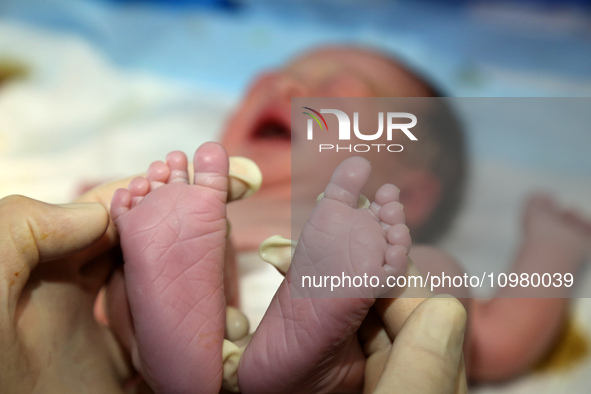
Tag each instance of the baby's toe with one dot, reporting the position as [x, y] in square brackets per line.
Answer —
[138, 188]
[391, 214]
[158, 174]
[347, 181]
[211, 166]
[396, 260]
[399, 234]
[177, 162]
[120, 203]
[387, 193]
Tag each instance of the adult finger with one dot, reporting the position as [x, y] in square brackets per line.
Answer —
[244, 178]
[426, 356]
[376, 345]
[34, 231]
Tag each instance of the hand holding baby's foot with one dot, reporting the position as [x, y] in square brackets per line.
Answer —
[49, 339]
[173, 237]
[310, 344]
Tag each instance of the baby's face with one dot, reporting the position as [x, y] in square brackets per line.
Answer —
[260, 129]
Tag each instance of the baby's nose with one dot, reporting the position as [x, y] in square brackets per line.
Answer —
[285, 87]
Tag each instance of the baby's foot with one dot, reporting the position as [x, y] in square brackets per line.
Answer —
[548, 225]
[310, 344]
[173, 237]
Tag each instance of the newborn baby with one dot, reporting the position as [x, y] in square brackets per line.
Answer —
[174, 267]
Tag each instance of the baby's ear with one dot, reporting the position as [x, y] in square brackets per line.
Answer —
[420, 191]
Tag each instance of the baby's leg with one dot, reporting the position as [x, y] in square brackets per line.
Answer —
[310, 344]
[510, 335]
[173, 237]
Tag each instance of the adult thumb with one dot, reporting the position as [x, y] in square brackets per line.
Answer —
[32, 231]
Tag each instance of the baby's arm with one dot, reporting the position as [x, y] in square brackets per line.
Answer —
[509, 334]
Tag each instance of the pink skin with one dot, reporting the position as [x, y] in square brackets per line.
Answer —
[546, 222]
[510, 335]
[260, 130]
[173, 237]
[332, 72]
[310, 344]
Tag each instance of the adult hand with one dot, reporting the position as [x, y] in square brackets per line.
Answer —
[50, 341]
[55, 261]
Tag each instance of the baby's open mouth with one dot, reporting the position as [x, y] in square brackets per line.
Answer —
[272, 129]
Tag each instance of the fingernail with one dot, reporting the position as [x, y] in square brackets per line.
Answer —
[320, 197]
[277, 251]
[245, 178]
[444, 323]
[237, 325]
[231, 359]
[363, 202]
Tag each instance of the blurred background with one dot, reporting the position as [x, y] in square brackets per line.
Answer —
[92, 90]
[79, 72]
